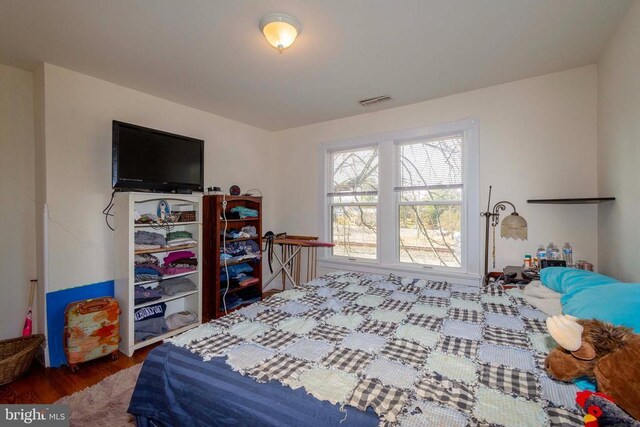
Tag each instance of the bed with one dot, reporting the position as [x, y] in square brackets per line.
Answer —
[361, 349]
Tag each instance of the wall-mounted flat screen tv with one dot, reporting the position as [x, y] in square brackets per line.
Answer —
[152, 160]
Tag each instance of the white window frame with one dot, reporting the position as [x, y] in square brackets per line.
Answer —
[388, 255]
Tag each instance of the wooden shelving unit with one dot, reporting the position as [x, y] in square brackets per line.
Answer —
[213, 242]
[125, 228]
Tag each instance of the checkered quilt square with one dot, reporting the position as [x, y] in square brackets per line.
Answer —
[347, 360]
[412, 289]
[438, 389]
[272, 317]
[276, 338]
[436, 301]
[337, 285]
[500, 308]
[511, 381]
[505, 337]
[438, 286]
[406, 351]
[396, 305]
[215, 344]
[329, 333]
[319, 314]
[465, 315]
[312, 299]
[466, 296]
[559, 417]
[424, 320]
[521, 302]
[379, 292]
[535, 325]
[228, 320]
[493, 291]
[386, 401]
[357, 309]
[279, 367]
[273, 301]
[348, 296]
[377, 327]
[458, 346]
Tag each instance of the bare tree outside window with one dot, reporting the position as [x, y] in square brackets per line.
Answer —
[354, 202]
[429, 182]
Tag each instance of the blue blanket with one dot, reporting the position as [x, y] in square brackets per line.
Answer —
[176, 388]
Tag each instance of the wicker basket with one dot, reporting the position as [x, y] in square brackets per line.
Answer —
[16, 355]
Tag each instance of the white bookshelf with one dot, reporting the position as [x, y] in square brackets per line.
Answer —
[125, 227]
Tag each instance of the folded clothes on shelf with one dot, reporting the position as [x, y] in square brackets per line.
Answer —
[178, 235]
[181, 242]
[144, 272]
[149, 328]
[146, 259]
[173, 256]
[142, 294]
[244, 212]
[149, 238]
[177, 285]
[181, 319]
[150, 312]
[145, 247]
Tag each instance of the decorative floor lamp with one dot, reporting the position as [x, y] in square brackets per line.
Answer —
[513, 226]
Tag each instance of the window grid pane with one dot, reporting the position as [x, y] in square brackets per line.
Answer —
[430, 234]
[354, 231]
[354, 173]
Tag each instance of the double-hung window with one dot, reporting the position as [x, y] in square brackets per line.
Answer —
[403, 200]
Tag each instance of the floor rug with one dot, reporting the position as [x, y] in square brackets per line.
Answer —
[105, 403]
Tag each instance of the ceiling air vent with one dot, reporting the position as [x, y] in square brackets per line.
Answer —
[373, 101]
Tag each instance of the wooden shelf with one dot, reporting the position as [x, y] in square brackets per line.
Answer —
[241, 261]
[213, 225]
[575, 201]
[242, 239]
[165, 249]
[239, 288]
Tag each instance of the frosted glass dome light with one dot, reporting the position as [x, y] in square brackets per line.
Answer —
[280, 29]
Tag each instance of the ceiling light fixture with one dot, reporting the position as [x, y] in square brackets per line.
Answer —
[280, 29]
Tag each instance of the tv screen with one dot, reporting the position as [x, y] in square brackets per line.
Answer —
[149, 159]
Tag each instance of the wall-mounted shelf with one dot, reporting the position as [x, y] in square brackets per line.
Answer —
[575, 201]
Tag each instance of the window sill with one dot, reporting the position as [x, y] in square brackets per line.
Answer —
[430, 274]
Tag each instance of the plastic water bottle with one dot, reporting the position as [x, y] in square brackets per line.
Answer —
[567, 253]
[541, 254]
[552, 251]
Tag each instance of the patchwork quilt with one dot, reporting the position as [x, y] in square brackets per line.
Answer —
[418, 352]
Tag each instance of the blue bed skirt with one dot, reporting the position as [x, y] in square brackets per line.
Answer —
[176, 388]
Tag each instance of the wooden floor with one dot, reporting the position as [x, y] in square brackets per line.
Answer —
[46, 385]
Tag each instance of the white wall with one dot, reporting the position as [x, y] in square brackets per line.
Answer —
[619, 150]
[17, 192]
[537, 140]
[78, 113]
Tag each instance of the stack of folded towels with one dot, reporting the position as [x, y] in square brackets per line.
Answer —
[148, 240]
[180, 238]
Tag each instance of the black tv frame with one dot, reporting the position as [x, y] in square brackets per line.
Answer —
[167, 187]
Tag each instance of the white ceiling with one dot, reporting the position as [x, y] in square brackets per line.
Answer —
[210, 54]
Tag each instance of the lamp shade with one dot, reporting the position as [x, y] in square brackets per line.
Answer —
[280, 29]
[514, 226]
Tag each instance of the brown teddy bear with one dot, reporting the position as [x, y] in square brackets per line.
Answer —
[601, 351]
